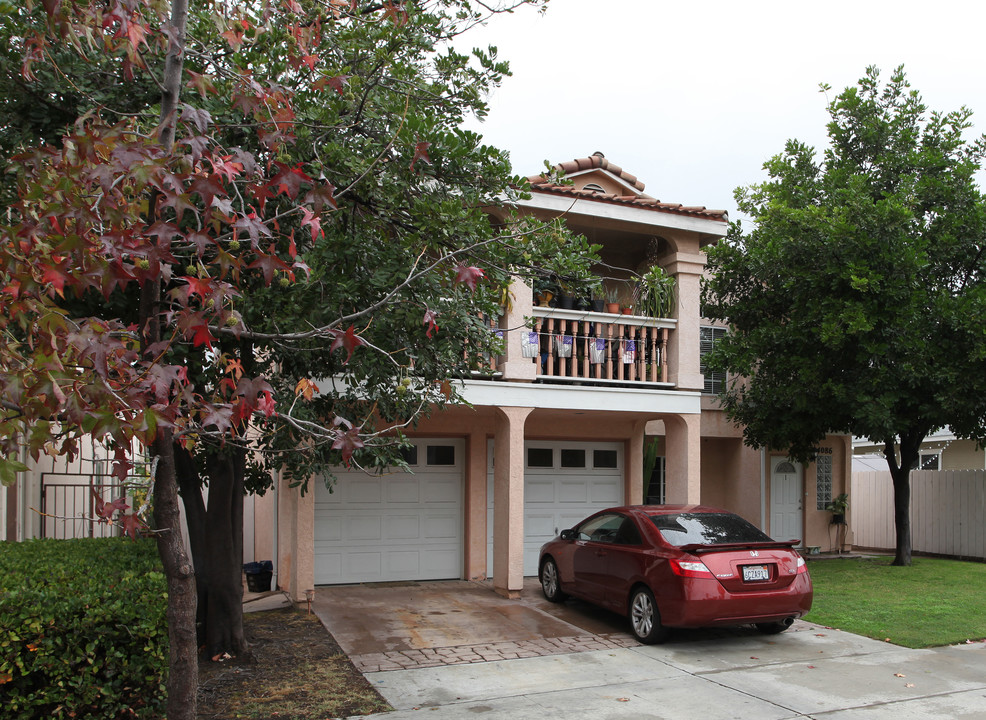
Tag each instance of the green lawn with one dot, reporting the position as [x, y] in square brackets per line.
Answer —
[933, 602]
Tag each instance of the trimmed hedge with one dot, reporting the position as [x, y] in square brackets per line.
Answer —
[83, 629]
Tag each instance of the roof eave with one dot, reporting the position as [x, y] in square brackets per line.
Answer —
[654, 216]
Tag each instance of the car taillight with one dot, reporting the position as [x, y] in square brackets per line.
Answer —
[689, 568]
[802, 566]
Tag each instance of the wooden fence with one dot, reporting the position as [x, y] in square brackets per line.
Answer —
[948, 512]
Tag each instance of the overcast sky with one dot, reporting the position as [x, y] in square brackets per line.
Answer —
[693, 97]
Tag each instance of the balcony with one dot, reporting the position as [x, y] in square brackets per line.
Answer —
[597, 348]
[585, 348]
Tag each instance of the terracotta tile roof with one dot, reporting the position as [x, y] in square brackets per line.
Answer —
[599, 160]
[542, 184]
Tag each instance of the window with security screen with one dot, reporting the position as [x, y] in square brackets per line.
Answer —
[715, 381]
[823, 481]
[930, 461]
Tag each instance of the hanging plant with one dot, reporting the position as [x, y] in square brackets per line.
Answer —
[656, 294]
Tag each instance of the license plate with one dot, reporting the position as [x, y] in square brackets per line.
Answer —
[755, 572]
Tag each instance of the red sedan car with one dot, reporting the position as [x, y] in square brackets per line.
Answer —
[678, 566]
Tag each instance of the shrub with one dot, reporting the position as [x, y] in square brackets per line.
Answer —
[83, 629]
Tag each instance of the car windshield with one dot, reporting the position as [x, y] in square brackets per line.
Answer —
[706, 529]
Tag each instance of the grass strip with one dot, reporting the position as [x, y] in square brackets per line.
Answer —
[933, 602]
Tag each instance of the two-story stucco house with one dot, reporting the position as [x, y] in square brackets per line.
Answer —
[559, 430]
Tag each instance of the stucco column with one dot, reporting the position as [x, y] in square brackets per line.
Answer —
[513, 364]
[476, 501]
[296, 539]
[683, 471]
[263, 526]
[683, 341]
[633, 474]
[508, 501]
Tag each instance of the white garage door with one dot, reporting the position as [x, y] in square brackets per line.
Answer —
[563, 483]
[396, 526]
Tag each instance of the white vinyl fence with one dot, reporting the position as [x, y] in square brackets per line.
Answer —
[948, 512]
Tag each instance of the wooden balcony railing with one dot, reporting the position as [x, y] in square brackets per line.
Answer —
[597, 348]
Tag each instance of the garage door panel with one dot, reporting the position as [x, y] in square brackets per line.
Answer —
[363, 490]
[539, 490]
[403, 527]
[608, 493]
[539, 525]
[403, 565]
[397, 526]
[531, 556]
[362, 529]
[328, 531]
[325, 497]
[442, 490]
[435, 562]
[401, 489]
[328, 565]
[573, 491]
[367, 563]
[441, 527]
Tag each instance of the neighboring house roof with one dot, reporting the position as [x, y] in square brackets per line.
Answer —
[634, 196]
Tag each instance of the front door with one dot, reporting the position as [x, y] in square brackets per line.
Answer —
[786, 500]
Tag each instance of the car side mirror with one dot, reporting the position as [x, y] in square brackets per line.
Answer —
[568, 534]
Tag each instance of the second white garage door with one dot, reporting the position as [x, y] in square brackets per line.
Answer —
[396, 526]
[563, 483]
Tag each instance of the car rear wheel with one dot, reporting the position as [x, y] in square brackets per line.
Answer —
[645, 620]
[550, 584]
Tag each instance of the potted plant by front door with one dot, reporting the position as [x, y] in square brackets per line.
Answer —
[838, 508]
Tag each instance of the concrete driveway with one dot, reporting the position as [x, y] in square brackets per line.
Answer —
[456, 649]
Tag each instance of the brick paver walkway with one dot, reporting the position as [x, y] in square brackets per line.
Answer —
[463, 654]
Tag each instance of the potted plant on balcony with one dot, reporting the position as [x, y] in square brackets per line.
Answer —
[569, 270]
[612, 295]
[545, 289]
[628, 299]
[588, 291]
[576, 288]
[656, 293]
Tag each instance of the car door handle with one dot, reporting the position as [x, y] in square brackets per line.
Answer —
[600, 553]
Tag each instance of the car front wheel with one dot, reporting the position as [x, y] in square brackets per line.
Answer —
[550, 584]
[645, 620]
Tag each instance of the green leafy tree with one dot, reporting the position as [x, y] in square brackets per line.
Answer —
[299, 203]
[855, 302]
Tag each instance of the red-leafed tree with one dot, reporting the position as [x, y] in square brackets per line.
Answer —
[301, 204]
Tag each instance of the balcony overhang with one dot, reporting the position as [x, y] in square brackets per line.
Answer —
[567, 397]
[557, 204]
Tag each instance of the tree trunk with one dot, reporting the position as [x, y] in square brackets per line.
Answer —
[910, 445]
[189, 487]
[183, 656]
[183, 677]
[902, 514]
[215, 530]
[224, 556]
